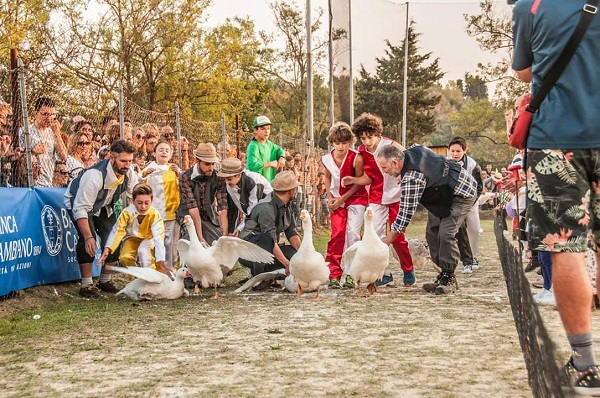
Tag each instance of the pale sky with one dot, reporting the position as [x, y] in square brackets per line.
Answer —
[440, 23]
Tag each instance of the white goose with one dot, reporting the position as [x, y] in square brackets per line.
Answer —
[289, 283]
[209, 264]
[308, 266]
[367, 259]
[151, 284]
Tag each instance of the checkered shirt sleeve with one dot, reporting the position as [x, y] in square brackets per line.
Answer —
[411, 189]
[466, 185]
[221, 195]
[186, 193]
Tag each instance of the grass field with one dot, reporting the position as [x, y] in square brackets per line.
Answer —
[401, 342]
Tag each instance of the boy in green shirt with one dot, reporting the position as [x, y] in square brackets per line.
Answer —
[263, 156]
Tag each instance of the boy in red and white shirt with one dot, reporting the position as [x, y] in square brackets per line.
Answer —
[384, 191]
[346, 204]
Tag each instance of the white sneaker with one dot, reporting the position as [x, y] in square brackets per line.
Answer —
[467, 269]
[548, 298]
[540, 295]
[475, 265]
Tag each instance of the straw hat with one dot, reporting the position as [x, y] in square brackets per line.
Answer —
[284, 181]
[207, 153]
[497, 176]
[230, 167]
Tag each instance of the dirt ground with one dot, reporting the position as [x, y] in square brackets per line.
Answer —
[401, 342]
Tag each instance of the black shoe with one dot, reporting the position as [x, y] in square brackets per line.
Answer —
[447, 284]
[533, 264]
[89, 291]
[430, 286]
[189, 283]
[585, 382]
[108, 287]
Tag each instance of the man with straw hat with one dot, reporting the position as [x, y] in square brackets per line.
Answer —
[245, 188]
[269, 218]
[199, 188]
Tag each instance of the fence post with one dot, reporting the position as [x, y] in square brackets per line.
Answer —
[26, 136]
[121, 114]
[223, 136]
[237, 136]
[178, 134]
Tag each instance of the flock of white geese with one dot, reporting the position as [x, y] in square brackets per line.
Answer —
[365, 260]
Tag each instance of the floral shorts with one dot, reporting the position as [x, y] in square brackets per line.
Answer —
[563, 199]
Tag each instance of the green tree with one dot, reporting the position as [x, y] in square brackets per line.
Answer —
[493, 32]
[381, 93]
[287, 68]
[451, 101]
[473, 87]
[24, 25]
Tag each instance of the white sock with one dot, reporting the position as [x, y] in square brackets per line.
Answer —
[86, 281]
[104, 278]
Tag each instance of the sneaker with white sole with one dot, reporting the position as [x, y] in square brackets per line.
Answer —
[467, 269]
[547, 298]
[540, 295]
[475, 265]
[349, 282]
[586, 382]
[386, 280]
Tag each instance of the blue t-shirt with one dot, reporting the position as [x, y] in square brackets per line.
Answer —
[569, 116]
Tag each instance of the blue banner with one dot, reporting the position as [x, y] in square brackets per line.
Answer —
[37, 239]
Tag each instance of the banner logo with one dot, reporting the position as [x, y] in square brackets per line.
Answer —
[53, 231]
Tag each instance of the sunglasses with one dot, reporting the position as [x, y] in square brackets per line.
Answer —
[62, 172]
[83, 143]
[168, 135]
[140, 137]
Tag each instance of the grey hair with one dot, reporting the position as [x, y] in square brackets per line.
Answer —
[390, 152]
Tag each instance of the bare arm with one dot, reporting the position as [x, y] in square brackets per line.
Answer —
[525, 75]
[224, 222]
[195, 214]
[59, 146]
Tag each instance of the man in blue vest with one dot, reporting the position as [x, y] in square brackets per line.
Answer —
[447, 190]
[90, 199]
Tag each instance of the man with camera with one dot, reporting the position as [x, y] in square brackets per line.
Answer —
[563, 162]
[45, 139]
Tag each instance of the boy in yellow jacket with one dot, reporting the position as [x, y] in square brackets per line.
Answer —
[142, 231]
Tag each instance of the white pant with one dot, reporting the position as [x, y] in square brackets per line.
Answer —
[171, 238]
[356, 215]
[474, 230]
[143, 252]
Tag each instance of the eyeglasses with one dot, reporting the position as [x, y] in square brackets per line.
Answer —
[62, 172]
[48, 114]
[88, 129]
[83, 143]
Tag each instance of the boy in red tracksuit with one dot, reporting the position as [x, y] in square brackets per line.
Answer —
[384, 191]
[346, 204]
